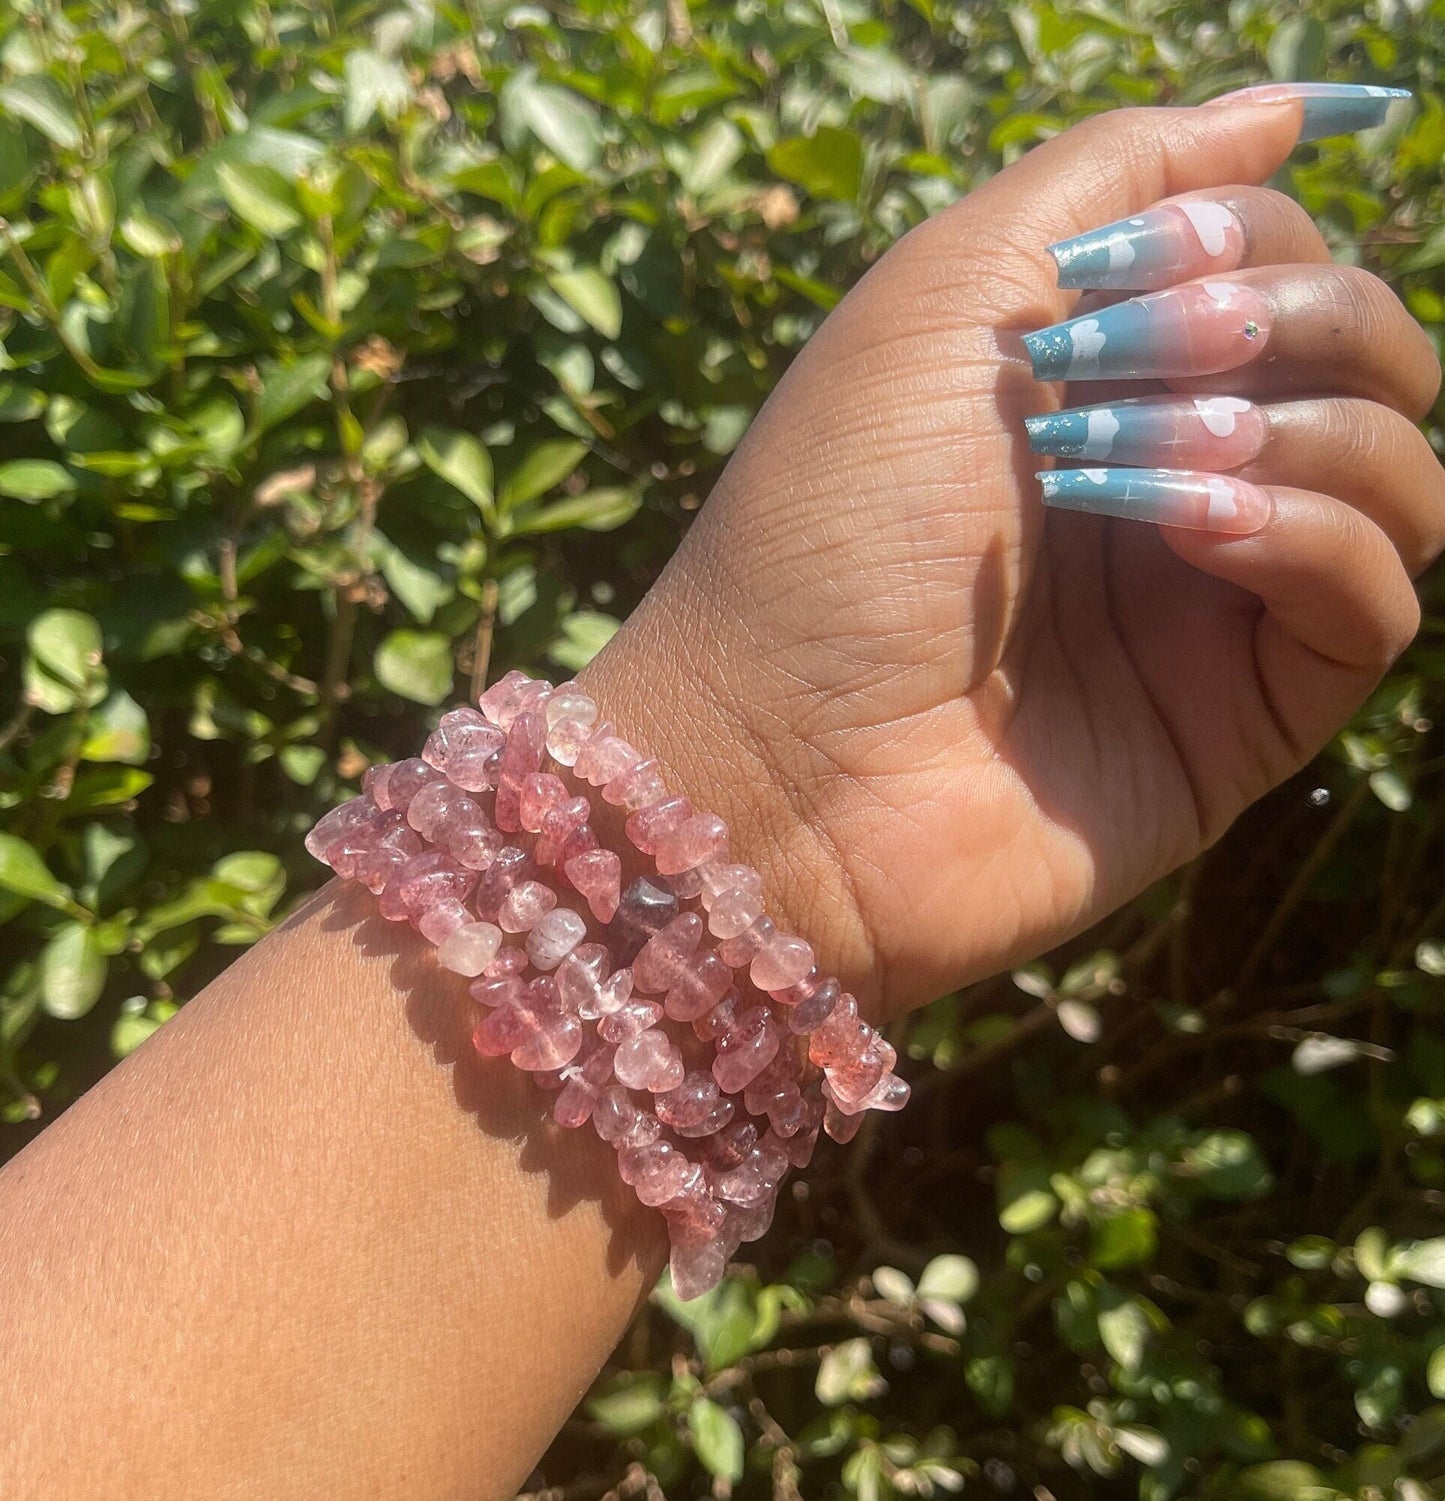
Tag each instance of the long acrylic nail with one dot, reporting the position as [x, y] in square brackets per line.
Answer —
[1202, 432]
[1330, 109]
[1171, 243]
[1170, 497]
[1197, 329]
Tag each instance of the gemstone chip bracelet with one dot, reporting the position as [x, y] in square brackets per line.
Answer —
[669, 1010]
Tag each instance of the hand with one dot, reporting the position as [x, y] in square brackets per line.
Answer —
[952, 728]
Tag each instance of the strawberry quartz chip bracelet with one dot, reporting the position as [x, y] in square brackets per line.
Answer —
[665, 1007]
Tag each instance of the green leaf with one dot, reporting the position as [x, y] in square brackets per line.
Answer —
[63, 667]
[1127, 1238]
[117, 731]
[23, 872]
[1424, 1261]
[20, 403]
[630, 1404]
[260, 196]
[1299, 50]
[284, 151]
[951, 1277]
[1123, 1327]
[104, 786]
[846, 1373]
[374, 84]
[462, 461]
[35, 479]
[1025, 1200]
[287, 388]
[302, 763]
[72, 972]
[566, 124]
[252, 871]
[1391, 789]
[38, 101]
[422, 591]
[725, 1331]
[543, 467]
[1435, 1372]
[416, 665]
[129, 1032]
[897, 1287]
[827, 164]
[600, 510]
[991, 1379]
[584, 634]
[146, 235]
[716, 1438]
[717, 150]
[1282, 1480]
[592, 294]
[1228, 1165]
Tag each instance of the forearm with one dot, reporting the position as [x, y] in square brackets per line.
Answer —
[301, 1243]
[305, 1240]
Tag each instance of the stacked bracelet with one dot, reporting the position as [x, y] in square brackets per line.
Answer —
[494, 859]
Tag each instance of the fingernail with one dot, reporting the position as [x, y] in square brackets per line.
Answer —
[1155, 249]
[1203, 432]
[1330, 109]
[1170, 497]
[1197, 329]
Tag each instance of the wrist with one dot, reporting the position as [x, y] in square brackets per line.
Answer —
[678, 689]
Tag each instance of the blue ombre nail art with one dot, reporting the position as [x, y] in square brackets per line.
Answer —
[1080, 433]
[1330, 109]
[1211, 433]
[1164, 245]
[1199, 328]
[1167, 497]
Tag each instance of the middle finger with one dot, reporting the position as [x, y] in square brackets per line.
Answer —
[1272, 330]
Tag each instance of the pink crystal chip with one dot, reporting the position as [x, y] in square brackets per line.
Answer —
[745, 1050]
[781, 1052]
[781, 962]
[524, 906]
[554, 936]
[649, 1061]
[470, 948]
[704, 837]
[648, 828]
[502, 702]
[665, 955]
[697, 988]
[597, 875]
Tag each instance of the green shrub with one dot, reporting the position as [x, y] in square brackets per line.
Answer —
[354, 352]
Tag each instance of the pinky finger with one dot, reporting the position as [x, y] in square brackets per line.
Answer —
[1339, 606]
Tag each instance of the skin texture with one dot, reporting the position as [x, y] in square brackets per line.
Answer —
[300, 1243]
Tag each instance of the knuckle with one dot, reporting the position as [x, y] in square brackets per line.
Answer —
[1390, 611]
[1362, 306]
[1292, 225]
[1361, 433]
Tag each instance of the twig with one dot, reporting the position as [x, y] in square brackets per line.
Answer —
[482, 641]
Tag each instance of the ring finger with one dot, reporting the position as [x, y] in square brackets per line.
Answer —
[1359, 451]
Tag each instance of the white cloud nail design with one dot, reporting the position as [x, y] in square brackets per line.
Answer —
[1217, 413]
[1210, 221]
[1121, 252]
[1103, 428]
[1086, 341]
